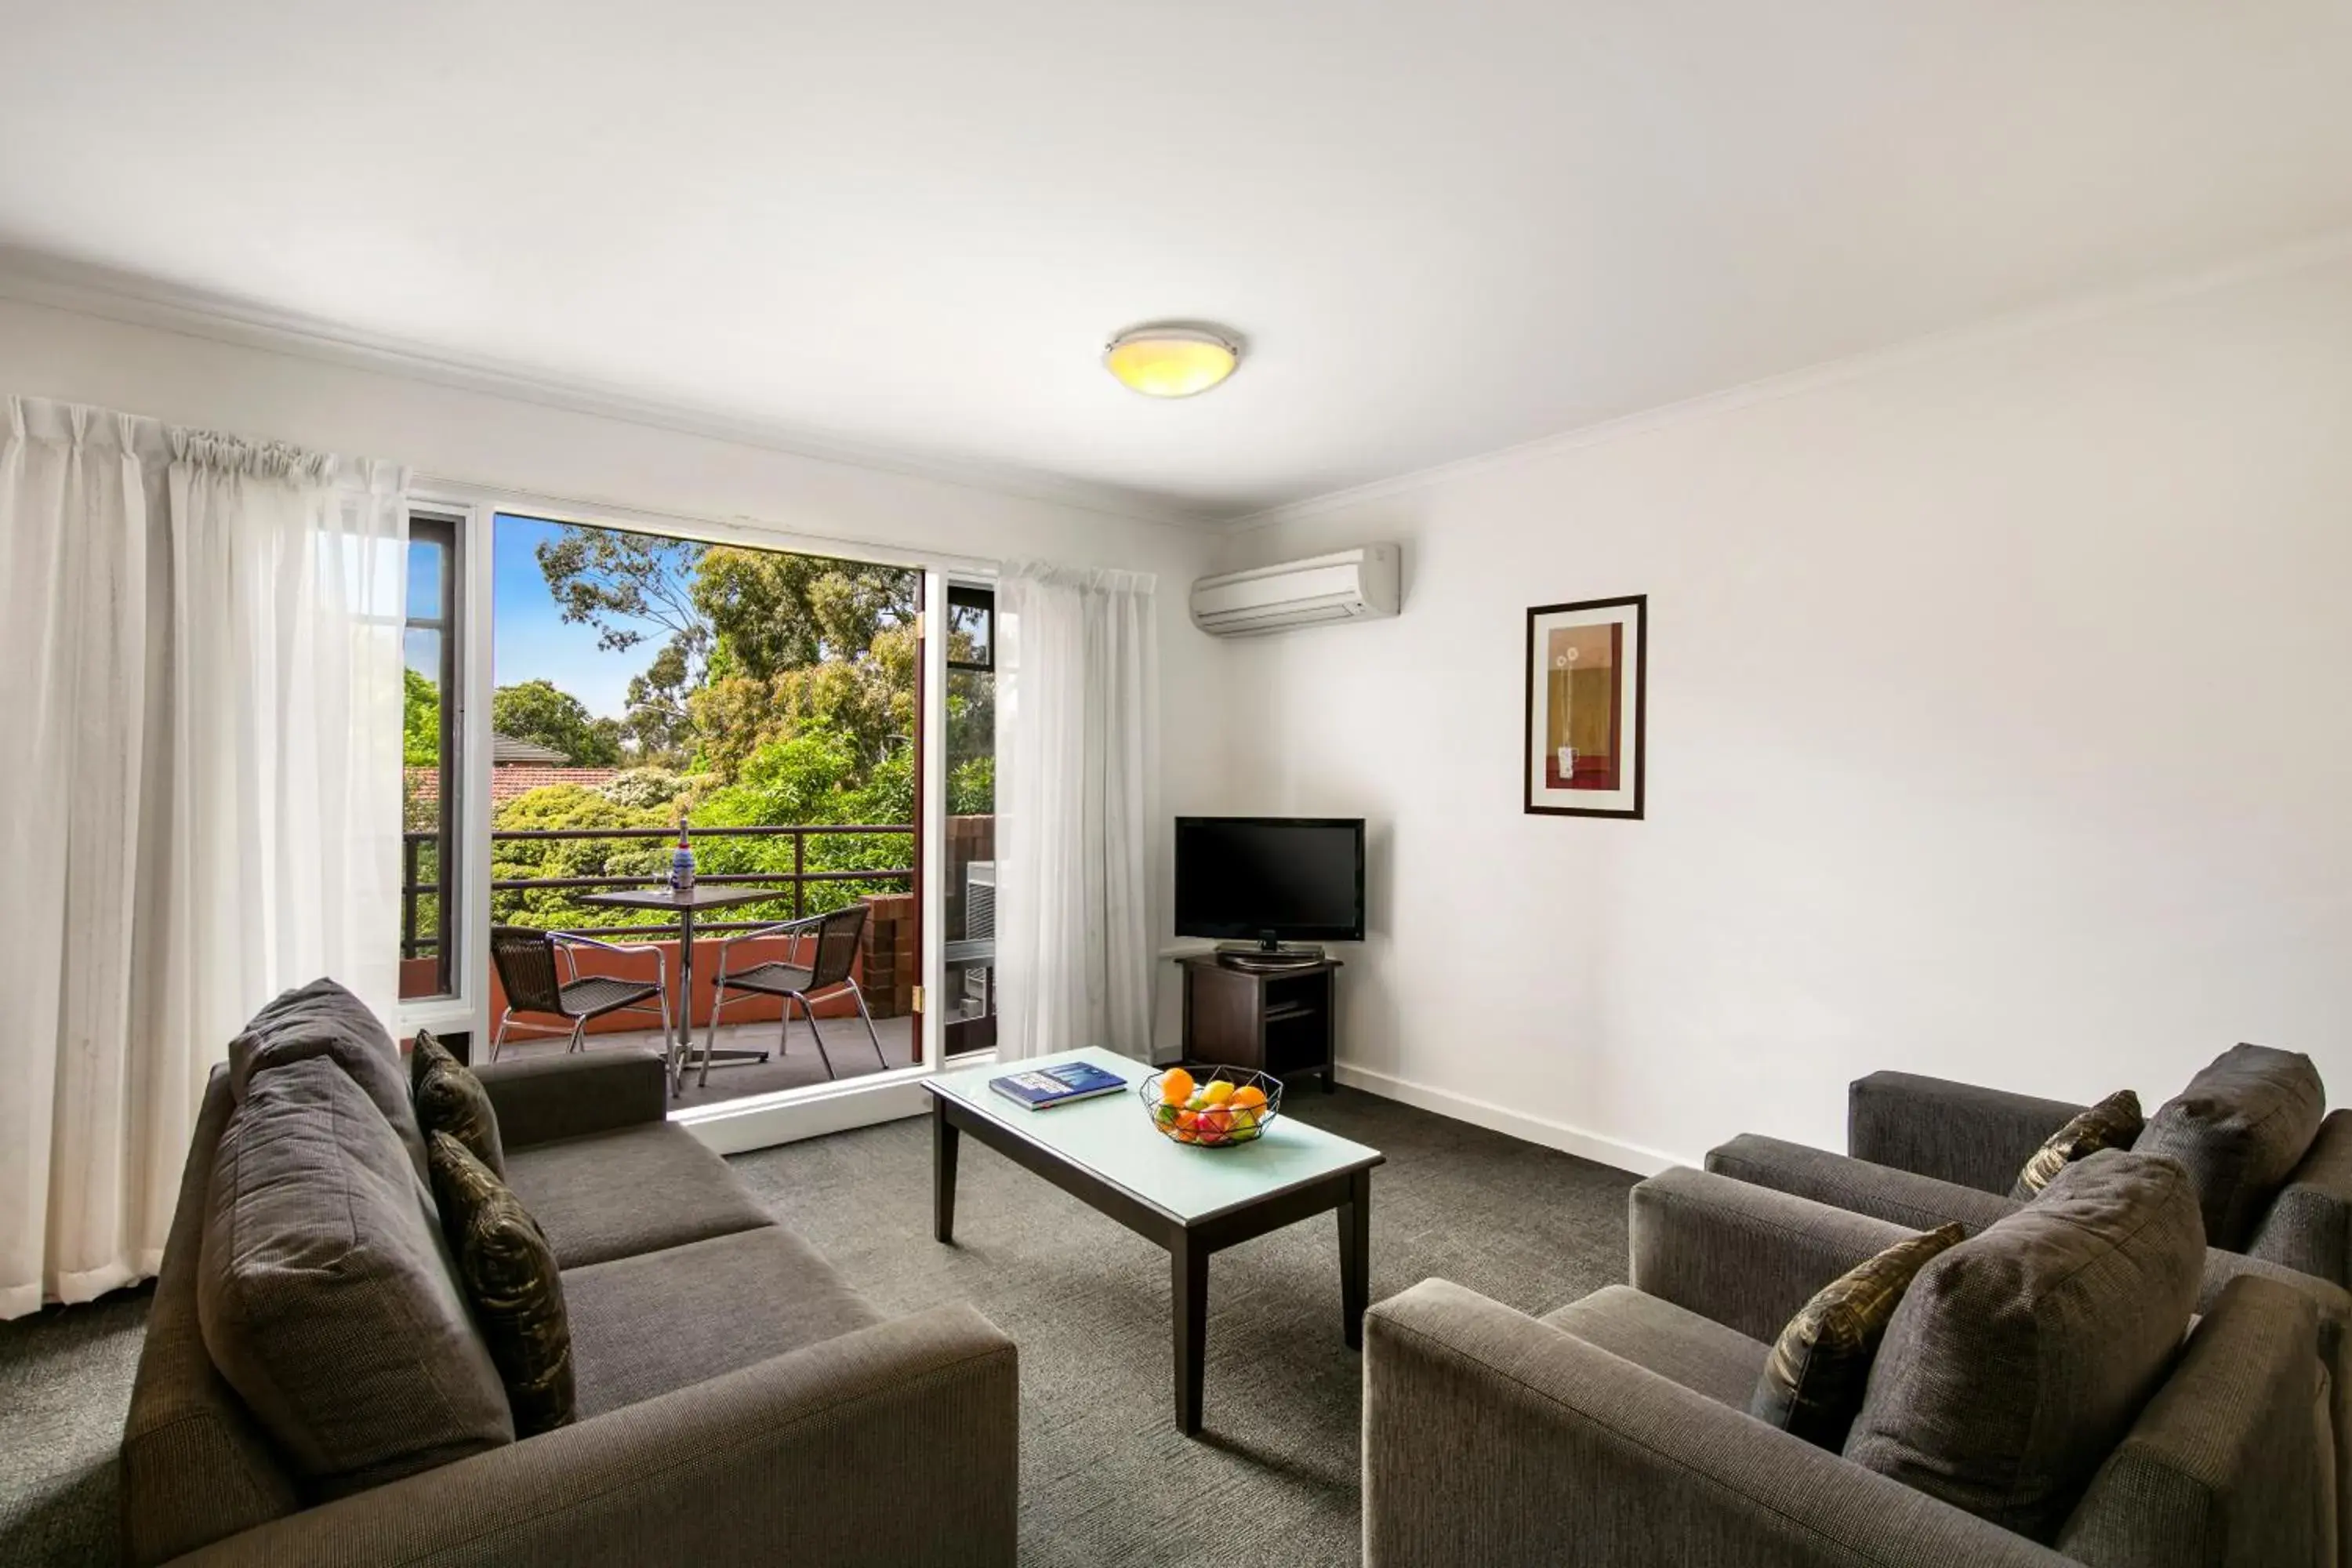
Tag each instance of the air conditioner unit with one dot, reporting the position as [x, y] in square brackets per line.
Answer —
[1345, 586]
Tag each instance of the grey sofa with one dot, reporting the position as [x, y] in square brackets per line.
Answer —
[738, 1402]
[1615, 1430]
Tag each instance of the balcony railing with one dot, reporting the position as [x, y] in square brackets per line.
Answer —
[792, 887]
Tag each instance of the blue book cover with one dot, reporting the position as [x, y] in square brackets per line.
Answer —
[1044, 1086]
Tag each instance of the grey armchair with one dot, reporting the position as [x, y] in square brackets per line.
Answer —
[1925, 1150]
[1981, 1138]
[1615, 1430]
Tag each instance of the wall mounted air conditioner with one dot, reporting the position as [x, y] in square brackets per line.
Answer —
[1345, 586]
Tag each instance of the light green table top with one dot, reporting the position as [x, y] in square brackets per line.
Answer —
[1113, 1137]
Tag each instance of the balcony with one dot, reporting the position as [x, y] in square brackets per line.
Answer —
[886, 969]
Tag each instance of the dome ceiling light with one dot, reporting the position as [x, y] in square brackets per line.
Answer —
[1171, 360]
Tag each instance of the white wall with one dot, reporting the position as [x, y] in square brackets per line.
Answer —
[555, 453]
[1999, 729]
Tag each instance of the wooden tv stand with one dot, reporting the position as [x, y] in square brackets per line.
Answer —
[1280, 1023]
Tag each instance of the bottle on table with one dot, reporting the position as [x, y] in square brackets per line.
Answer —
[681, 862]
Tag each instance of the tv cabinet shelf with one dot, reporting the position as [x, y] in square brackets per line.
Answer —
[1280, 1023]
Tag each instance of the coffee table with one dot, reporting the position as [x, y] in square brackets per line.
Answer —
[1192, 1201]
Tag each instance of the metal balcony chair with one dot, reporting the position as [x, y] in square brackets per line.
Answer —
[837, 936]
[541, 972]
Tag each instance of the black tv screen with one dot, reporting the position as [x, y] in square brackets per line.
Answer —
[1287, 879]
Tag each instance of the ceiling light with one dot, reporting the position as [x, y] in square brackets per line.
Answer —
[1172, 362]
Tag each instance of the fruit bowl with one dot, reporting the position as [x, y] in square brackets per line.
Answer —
[1212, 1108]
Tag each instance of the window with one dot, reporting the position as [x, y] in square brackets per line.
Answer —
[971, 857]
[429, 864]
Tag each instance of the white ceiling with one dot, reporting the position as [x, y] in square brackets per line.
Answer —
[910, 224]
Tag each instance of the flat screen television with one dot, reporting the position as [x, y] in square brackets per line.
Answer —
[1270, 879]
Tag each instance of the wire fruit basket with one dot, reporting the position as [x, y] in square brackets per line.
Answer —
[1208, 1116]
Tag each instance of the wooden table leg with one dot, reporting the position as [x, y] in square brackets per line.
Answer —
[1355, 1257]
[944, 1139]
[1188, 1276]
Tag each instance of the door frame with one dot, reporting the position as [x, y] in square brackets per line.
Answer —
[761, 1120]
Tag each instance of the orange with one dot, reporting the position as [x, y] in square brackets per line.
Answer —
[1176, 1086]
[1249, 1097]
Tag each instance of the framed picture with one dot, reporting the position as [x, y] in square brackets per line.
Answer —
[1582, 752]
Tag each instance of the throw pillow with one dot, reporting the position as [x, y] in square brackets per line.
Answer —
[2241, 1127]
[509, 1275]
[325, 1294]
[1813, 1380]
[2020, 1358]
[450, 1098]
[2113, 1123]
[322, 1019]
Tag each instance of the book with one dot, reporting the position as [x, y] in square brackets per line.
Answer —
[1043, 1088]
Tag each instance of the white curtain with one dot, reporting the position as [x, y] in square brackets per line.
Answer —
[1076, 745]
[200, 669]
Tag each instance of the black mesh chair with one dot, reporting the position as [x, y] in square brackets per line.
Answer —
[836, 937]
[541, 972]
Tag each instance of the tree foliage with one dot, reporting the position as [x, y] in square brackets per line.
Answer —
[420, 721]
[541, 711]
[569, 807]
[774, 613]
[780, 692]
[632, 587]
[757, 645]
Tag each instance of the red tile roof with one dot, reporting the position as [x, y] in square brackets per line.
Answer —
[509, 779]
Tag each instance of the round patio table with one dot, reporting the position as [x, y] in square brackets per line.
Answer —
[685, 906]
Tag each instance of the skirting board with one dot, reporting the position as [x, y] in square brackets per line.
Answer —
[1518, 1124]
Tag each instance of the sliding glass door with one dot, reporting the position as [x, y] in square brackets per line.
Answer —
[584, 687]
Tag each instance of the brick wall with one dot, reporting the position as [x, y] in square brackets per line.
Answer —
[886, 961]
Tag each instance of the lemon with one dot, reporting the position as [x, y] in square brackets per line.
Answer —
[1219, 1091]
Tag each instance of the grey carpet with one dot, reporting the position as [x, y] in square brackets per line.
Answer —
[1105, 1479]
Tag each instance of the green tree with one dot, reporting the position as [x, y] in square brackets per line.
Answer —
[757, 645]
[420, 722]
[813, 779]
[632, 587]
[867, 700]
[972, 786]
[773, 611]
[570, 806]
[542, 711]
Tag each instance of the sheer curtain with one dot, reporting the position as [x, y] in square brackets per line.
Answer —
[200, 804]
[1075, 744]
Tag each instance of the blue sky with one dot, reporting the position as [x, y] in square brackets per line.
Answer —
[531, 641]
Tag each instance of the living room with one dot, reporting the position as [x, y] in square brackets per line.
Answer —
[740, 589]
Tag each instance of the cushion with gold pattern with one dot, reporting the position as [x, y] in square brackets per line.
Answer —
[508, 1272]
[450, 1098]
[2113, 1123]
[1813, 1380]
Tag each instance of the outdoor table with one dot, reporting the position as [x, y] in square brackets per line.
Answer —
[685, 905]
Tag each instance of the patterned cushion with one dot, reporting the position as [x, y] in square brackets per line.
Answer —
[508, 1274]
[1813, 1380]
[2113, 1123]
[326, 1296]
[450, 1098]
[2019, 1359]
[2241, 1127]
